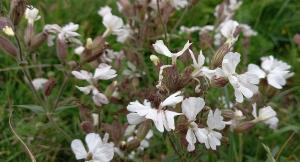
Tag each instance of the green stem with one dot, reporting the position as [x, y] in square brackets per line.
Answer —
[161, 21]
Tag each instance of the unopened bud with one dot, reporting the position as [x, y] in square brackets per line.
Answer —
[243, 127]
[61, 49]
[8, 31]
[218, 82]
[154, 59]
[87, 126]
[8, 47]
[110, 89]
[133, 144]
[49, 85]
[37, 40]
[72, 64]
[221, 52]
[228, 114]
[143, 129]
[89, 43]
[17, 9]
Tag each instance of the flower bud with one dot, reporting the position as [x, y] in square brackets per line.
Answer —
[89, 44]
[143, 129]
[154, 59]
[221, 52]
[8, 31]
[37, 40]
[133, 144]
[17, 10]
[49, 85]
[28, 34]
[243, 127]
[228, 113]
[8, 47]
[61, 50]
[87, 126]
[218, 82]
[110, 89]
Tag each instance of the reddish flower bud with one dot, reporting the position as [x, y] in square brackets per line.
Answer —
[17, 9]
[8, 47]
[87, 126]
[243, 127]
[219, 82]
[61, 49]
[49, 85]
[37, 40]
[221, 52]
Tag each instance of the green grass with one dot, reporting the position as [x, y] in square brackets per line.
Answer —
[276, 22]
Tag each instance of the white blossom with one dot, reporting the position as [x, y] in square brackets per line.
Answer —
[189, 30]
[32, 14]
[102, 72]
[277, 71]
[98, 150]
[210, 135]
[243, 84]
[190, 108]
[67, 33]
[228, 29]
[163, 119]
[38, 83]
[161, 48]
[266, 115]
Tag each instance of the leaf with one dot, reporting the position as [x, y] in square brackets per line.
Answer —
[63, 108]
[269, 154]
[34, 108]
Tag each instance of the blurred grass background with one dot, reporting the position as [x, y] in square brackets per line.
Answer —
[276, 22]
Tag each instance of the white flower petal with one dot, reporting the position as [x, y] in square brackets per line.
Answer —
[92, 140]
[161, 48]
[172, 100]
[192, 106]
[78, 149]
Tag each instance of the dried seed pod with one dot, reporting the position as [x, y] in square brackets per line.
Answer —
[17, 9]
[8, 47]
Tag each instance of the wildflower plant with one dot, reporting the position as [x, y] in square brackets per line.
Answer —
[134, 94]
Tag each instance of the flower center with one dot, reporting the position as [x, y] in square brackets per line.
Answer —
[89, 156]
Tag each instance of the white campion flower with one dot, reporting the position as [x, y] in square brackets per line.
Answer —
[277, 71]
[228, 29]
[243, 84]
[163, 119]
[266, 115]
[102, 72]
[190, 108]
[98, 150]
[114, 25]
[66, 34]
[38, 83]
[161, 48]
[32, 14]
[124, 33]
[211, 136]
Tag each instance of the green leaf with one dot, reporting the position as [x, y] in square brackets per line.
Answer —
[63, 108]
[269, 154]
[34, 108]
